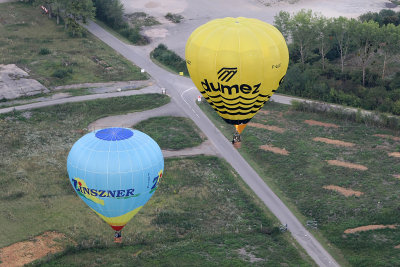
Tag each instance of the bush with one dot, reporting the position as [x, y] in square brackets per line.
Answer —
[170, 59]
[44, 51]
[395, 83]
[175, 18]
[62, 73]
[396, 107]
[133, 35]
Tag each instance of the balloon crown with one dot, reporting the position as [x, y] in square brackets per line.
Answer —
[114, 134]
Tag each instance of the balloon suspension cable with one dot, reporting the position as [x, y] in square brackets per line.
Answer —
[117, 237]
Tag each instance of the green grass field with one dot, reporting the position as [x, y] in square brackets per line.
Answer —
[172, 132]
[34, 42]
[299, 179]
[201, 215]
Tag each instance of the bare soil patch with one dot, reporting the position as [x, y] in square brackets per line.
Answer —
[275, 150]
[347, 165]
[248, 255]
[369, 228]
[396, 176]
[344, 191]
[268, 127]
[398, 246]
[265, 112]
[22, 253]
[333, 142]
[395, 138]
[394, 154]
[319, 123]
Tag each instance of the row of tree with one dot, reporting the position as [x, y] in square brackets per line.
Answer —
[308, 32]
[342, 60]
[383, 17]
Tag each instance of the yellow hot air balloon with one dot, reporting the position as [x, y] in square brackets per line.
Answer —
[237, 64]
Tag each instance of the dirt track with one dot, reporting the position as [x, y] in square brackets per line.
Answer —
[347, 165]
[24, 252]
[369, 228]
[344, 191]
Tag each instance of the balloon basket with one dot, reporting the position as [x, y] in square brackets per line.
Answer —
[237, 144]
[117, 237]
[237, 141]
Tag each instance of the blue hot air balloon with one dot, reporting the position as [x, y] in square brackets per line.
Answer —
[115, 171]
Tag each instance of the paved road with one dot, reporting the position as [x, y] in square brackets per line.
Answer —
[183, 93]
[147, 90]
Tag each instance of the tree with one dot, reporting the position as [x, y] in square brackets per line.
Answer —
[324, 37]
[282, 23]
[111, 12]
[390, 45]
[77, 10]
[58, 7]
[303, 33]
[367, 36]
[341, 28]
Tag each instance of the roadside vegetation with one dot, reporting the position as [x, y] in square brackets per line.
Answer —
[377, 119]
[169, 59]
[353, 62]
[201, 215]
[172, 132]
[299, 171]
[112, 14]
[43, 49]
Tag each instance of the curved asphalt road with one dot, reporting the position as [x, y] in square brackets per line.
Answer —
[183, 93]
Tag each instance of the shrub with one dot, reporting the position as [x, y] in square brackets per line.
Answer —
[44, 51]
[395, 83]
[133, 35]
[62, 73]
[170, 59]
[175, 18]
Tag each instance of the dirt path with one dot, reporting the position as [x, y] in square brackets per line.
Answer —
[205, 148]
[130, 119]
[369, 228]
[318, 123]
[344, 191]
[275, 150]
[347, 165]
[267, 127]
[395, 138]
[394, 154]
[21, 253]
[333, 142]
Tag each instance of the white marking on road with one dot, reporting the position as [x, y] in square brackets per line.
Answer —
[187, 102]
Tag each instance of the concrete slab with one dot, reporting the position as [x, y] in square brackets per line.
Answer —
[13, 83]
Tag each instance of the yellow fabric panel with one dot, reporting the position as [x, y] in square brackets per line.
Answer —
[88, 196]
[120, 220]
[237, 64]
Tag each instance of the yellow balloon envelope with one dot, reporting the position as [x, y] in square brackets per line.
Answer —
[237, 64]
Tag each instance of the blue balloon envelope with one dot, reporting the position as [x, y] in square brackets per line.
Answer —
[115, 171]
